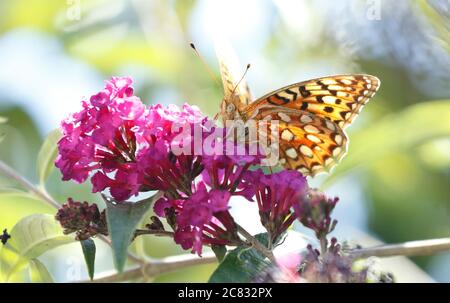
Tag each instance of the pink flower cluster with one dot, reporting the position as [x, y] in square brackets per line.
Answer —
[202, 217]
[125, 147]
[123, 144]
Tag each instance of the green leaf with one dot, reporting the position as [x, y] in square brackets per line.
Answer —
[47, 155]
[415, 125]
[241, 265]
[89, 249]
[36, 234]
[123, 217]
[16, 204]
[220, 251]
[39, 273]
[31, 237]
[11, 190]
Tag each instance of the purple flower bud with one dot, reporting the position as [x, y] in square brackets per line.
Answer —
[314, 211]
[83, 219]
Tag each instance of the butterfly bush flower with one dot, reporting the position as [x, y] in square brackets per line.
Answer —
[103, 134]
[201, 219]
[155, 166]
[314, 211]
[227, 172]
[276, 194]
[331, 267]
[199, 214]
[83, 219]
[172, 157]
[125, 145]
[128, 148]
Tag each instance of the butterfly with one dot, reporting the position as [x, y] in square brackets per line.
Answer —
[312, 114]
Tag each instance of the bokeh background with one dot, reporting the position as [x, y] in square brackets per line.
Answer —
[393, 184]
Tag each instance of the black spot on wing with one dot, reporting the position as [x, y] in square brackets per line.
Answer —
[292, 93]
[343, 114]
[304, 92]
[328, 109]
[283, 99]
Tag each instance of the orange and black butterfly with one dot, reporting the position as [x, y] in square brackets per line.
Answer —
[312, 114]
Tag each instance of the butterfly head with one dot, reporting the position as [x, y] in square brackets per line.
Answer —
[230, 108]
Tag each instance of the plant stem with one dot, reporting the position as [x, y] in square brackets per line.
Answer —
[256, 244]
[9, 172]
[412, 248]
[162, 233]
[323, 245]
[157, 267]
[269, 239]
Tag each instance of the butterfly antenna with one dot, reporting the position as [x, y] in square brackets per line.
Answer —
[242, 78]
[208, 69]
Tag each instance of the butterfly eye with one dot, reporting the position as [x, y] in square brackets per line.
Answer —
[230, 108]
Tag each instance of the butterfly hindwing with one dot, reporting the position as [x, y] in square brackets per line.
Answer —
[307, 142]
[338, 98]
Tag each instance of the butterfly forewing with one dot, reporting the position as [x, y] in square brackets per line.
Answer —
[307, 142]
[337, 98]
[230, 71]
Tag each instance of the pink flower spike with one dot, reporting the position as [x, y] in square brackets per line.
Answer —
[276, 195]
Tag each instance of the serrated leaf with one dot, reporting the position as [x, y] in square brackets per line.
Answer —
[241, 265]
[30, 238]
[47, 155]
[88, 247]
[39, 273]
[123, 217]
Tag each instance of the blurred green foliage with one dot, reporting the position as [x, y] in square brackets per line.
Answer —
[399, 147]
